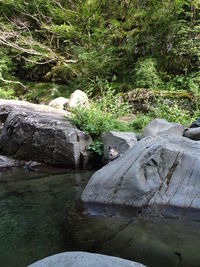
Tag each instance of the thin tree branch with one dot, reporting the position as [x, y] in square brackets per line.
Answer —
[9, 81]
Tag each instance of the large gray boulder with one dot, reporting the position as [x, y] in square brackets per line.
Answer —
[40, 133]
[158, 175]
[8, 106]
[84, 259]
[160, 127]
[118, 142]
[193, 133]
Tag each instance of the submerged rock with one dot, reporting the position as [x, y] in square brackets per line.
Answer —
[40, 133]
[116, 143]
[160, 127]
[158, 176]
[84, 259]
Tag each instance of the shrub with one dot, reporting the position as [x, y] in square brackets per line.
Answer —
[172, 113]
[97, 147]
[102, 115]
[145, 73]
[190, 83]
[139, 122]
[95, 121]
[7, 93]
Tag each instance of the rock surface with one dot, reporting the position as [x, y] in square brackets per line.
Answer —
[158, 176]
[7, 106]
[40, 133]
[6, 162]
[117, 141]
[193, 133]
[84, 259]
[59, 102]
[78, 99]
[160, 127]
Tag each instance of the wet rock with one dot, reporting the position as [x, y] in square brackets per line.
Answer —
[193, 133]
[158, 176]
[84, 259]
[116, 143]
[195, 123]
[40, 133]
[59, 102]
[160, 127]
[1, 127]
[6, 162]
[78, 99]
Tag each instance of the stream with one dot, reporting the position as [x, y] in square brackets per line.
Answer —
[41, 215]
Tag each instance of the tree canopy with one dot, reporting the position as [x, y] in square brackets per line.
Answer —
[132, 43]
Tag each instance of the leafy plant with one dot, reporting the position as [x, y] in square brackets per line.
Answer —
[95, 121]
[97, 147]
[7, 93]
[138, 124]
[102, 115]
[145, 73]
[172, 113]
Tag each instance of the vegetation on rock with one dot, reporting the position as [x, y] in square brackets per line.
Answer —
[49, 48]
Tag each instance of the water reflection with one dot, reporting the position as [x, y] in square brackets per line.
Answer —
[39, 217]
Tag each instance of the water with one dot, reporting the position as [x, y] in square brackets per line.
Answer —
[40, 215]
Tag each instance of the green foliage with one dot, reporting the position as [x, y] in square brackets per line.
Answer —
[7, 93]
[138, 124]
[102, 115]
[96, 46]
[97, 147]
[145, 73]
[110, 101]
[171, 112]
[43, 92]
[95, 121]
[190, 83]
[74, 42]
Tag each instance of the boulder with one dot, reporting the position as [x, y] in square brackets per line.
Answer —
[59, 102]
[192, 133]
[84, 259]
[195, 123]
[40, 133]
[158, 176]
[116, 143]
[160, 127]
[8, 106]
[6, 162]
[78, 99]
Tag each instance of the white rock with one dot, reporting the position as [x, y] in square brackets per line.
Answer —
[78, 99]
[59, 102]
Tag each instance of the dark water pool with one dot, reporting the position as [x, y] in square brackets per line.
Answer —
[39, 216]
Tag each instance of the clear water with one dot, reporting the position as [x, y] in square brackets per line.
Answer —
[40, 216]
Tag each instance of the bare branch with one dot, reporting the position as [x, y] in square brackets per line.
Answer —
[38, 63]
[9, 81]
[57, 3]
[4, 41]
